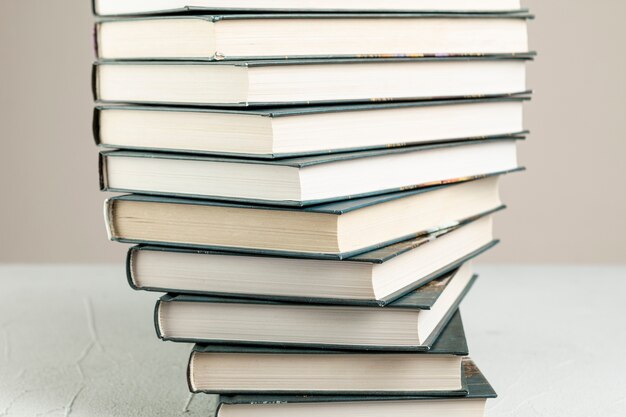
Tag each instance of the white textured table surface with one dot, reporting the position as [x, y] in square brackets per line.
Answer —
[75, 340]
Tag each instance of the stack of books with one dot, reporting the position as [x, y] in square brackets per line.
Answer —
[308, 182]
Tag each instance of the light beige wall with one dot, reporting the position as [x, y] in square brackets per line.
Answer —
[571, 204]
[569, 207]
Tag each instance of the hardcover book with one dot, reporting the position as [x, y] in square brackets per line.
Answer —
[333, 231]
[301, 81]
[472, 405]
[223, 369]
[186, 318]
[374, 278]
[299, 131]
[138, 7]
[304, 181]
[280, 36]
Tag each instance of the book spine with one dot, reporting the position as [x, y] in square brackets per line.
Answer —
[129, 268]
[95, 125]
[96, 43]
[94, 79]
[217, 404]
[102, 172]
[108, 218]
[157, 324]
[190, 373]
[292, 345]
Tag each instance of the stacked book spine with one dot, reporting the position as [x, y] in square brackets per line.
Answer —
[308, 184]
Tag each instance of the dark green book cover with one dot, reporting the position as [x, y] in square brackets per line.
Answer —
[475, 383]
[424, 347]
[516, 14]
[452, 341]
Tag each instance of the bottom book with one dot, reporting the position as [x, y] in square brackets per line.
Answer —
[472, 405]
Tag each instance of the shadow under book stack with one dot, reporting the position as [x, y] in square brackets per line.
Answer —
[308, 182]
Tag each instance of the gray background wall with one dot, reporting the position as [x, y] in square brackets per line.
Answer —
[569, 207]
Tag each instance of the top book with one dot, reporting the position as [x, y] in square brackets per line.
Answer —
[138, 7]
[288, 36]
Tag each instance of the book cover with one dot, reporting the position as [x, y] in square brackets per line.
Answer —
[216, 17]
